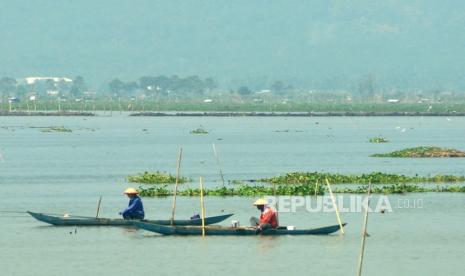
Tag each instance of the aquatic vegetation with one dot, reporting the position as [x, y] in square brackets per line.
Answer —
[402, 188]
[297, 190]
[156, 178]
[378, 140]
[387, 189]
[423, 152]
[237, 182]
[56, 129]
[244, 190]
[159, 191]
[200, 130]
[375, 177]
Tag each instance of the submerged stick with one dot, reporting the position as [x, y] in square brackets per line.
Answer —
[202, 207]
[98, 206]
[218, 163]
[364, 232]
[176, 186]
[335, 206]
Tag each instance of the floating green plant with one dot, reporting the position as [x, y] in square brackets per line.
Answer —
[244, 190]
[297, 190]
[56, 129]
[156, 178]
[402, 188]
[423, 152]
[374, 177]
[200, 130]
[378, 140]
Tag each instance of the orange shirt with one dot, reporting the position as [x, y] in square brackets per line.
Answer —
[269, 216]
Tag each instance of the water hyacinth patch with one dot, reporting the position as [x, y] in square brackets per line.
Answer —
[156, 178]
[200, 130]
[297, 190]
[244, 190]
[423, 152]
[378, 140]
[374, 177]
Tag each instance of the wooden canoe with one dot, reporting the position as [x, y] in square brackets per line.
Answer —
[92, 221]
[233, 231]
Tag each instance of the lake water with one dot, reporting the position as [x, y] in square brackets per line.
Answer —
[67, 172]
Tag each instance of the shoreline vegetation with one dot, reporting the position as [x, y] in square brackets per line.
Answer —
[423, 152]
[157, 177]
[239, 114]
[46, 113]
[220, 108]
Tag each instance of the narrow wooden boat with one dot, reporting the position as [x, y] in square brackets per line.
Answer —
[70, 220]
[233, 231]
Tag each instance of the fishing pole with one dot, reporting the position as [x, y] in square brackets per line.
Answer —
[52, 214]
[13, 212]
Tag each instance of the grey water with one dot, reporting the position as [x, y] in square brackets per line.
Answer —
[68, 172]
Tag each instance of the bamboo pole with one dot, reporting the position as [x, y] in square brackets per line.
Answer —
[364, 232]
[335, 206]
[218, 163]
[176, 185]
[277, 202]
[202, 207]
[316, 187]
[98, 207]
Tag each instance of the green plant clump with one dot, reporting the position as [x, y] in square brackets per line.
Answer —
[56, 129]
[423, 152]
[374, 177]
[402, 188]
[200, 130]
[156, 178]
[378, 140]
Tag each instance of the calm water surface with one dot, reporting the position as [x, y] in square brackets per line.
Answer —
[67, 172]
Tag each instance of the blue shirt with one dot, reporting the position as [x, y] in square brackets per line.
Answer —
[135, 208]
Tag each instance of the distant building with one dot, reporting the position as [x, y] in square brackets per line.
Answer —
[207, 100]
[393, 100]
[32, 80]
[13, 100]
[52, 92]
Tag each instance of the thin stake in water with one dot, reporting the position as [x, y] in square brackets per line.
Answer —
[98, 207]
[316, 187]
[218, 162]
[364, 232]
[335, 206]
[176, 185]
[202, 207]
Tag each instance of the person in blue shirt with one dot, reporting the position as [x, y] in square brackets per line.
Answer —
[135, 209]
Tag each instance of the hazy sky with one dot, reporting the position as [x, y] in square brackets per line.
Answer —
[323, 43]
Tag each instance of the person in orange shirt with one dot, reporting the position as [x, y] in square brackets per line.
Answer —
[268, 217]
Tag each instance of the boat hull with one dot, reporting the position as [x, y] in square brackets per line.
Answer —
[90, 221]
[231, 231]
